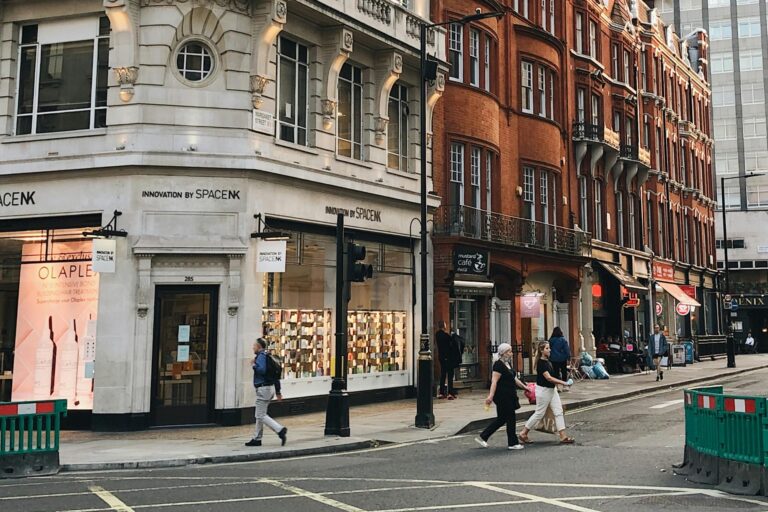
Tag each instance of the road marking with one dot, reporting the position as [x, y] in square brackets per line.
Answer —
[110, 499]
[532, 497]
[667, 404]
[313, 496]
[452, 506]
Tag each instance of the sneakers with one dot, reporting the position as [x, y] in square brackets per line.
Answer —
[481, 442]
[661, 375]
[253, 442]
[516, 447]
[283, 435]
[441, 396]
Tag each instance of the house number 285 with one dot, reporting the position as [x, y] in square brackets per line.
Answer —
[189, 279]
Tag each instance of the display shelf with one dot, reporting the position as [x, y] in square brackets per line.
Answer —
[301, 338]
[376, 341]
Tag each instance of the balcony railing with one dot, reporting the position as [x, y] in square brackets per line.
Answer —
[583, 130]
[464, 221]
[629, 151]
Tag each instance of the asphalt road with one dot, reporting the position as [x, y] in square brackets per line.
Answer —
[622, 462]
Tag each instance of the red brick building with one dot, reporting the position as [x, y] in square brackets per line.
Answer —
[545, 155]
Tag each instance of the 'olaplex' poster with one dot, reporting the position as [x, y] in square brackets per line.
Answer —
[56, 330]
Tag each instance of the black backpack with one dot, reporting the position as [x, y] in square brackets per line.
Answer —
[274, 368]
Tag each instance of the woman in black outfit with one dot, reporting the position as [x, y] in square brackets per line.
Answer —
[504, 395]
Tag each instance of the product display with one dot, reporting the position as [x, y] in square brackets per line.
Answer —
[301, 338]
[376, 341]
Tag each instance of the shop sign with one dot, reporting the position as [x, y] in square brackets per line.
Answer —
[683, 309]
[689, 289]
[219, 194]
[263, 122]
[659, 309]
[747, 301]
[530, 306]
[270, 255]
[357, 212]
[467, 260]
[663, 271]
[103, 255]
[17, 198]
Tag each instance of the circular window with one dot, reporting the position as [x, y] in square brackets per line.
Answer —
[195, 61]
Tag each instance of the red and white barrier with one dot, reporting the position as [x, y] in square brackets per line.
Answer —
[706, 402]
[744, 405]
[24, 409]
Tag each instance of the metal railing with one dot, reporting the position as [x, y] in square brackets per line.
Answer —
[464, 221]
[629, 151]
[582, 130]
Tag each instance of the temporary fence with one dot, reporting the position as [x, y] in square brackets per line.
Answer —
[29, 437]
[725, 438]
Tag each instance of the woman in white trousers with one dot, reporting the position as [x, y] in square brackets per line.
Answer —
[546, 396]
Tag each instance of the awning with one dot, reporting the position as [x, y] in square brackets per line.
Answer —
[626, 280]
[679, 295]
[473, 287]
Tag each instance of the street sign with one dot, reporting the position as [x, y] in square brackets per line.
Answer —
[727, 297]
[734, 305]
[659, 309]
[683, 309]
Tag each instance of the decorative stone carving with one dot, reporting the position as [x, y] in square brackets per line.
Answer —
[126, 77]
[380, 124]
[328, 108]
[241, 6]
[258, 84]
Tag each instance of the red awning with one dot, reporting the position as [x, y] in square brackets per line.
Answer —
[679, 295]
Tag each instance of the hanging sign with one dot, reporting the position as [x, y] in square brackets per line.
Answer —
[683, 309]
[103, 255]
[270, 255]
[659, 309]
[529, 306]
[468, 260]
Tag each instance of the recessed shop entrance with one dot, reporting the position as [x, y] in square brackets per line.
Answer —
[184, 355]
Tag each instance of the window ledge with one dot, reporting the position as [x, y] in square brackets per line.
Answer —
[11, 139]
[410, 175]
[297, 147]
[353, 161]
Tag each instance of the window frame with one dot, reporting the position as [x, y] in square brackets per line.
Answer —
[399, 96]
[526, 86]
[456, 51]
[357, 128]
[299, 68]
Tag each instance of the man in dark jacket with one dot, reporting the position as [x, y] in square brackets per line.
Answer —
[266, 390]
[447, 349]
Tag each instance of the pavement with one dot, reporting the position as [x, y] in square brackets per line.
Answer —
[370, 425]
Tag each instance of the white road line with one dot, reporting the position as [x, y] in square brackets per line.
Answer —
[191, 503]
[452, 506]
[667, 404]
[532, 497]
[313, 496]
[110, 499]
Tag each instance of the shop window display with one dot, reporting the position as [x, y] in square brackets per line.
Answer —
[298, 315]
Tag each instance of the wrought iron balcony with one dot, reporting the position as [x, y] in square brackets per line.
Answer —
[583, 130]
[464, 221]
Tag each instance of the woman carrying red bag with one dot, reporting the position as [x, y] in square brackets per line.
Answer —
[503, 393]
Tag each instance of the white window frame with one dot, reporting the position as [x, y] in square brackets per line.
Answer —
[620, 217]
[356, 150]
[488, 181]
[544, 196]
[598, 201]
[474, 175]
[300, 69]
[487, 64]
[526, 83]
[581, 113]
[456, 51]
[457, 173]
[579, 35]
[542, 86]
[632, 236]
[474, 57]
[529, 191]
[35, 114]
[584, 200]
[592, 39]
[398, 101]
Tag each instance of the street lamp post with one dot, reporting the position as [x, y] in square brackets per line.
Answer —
[425, 417]
[730, 344]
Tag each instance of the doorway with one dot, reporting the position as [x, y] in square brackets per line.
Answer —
[184, 355]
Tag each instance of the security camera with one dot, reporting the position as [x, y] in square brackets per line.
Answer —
[478, 10]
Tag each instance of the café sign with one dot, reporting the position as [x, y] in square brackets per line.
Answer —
[468, 260]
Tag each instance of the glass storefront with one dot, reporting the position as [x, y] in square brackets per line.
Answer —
[48, 308]
[298, 319]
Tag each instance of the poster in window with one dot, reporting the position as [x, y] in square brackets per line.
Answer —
[55, 333]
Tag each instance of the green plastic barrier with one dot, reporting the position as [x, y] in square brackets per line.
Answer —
[742, 428]
[705, 428]
[30, 427]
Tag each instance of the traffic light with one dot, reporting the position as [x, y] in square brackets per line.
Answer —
[357, 272]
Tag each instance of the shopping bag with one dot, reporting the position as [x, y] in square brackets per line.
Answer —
[530, 392]
[664, 361]
[547, 423]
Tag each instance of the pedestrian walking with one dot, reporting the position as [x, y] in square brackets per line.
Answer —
[561, 353]
[449, 355]
[547, 396]
[503, 393]
[658, 348]
[267, 388]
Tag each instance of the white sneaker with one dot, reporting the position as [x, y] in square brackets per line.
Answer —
[516, 447]
[479, 440]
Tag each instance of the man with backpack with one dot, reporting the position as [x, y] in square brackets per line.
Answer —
[266, 380]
